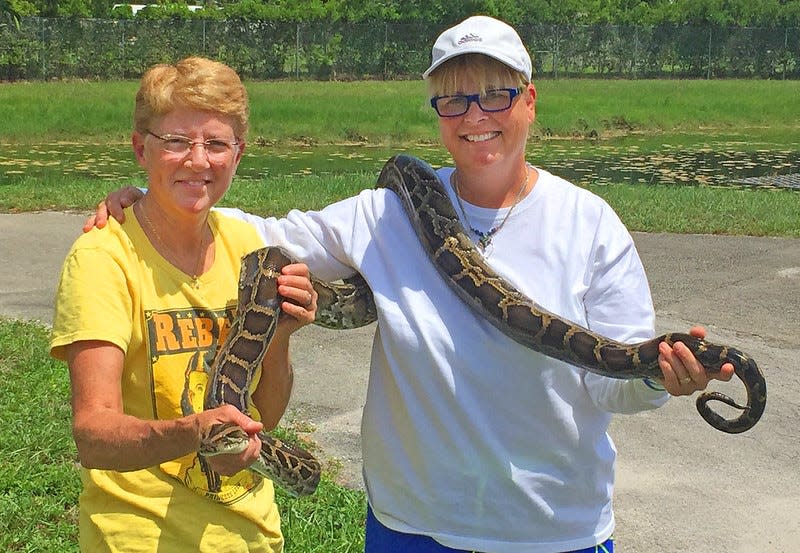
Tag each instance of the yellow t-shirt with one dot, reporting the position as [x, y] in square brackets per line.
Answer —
[116, 287]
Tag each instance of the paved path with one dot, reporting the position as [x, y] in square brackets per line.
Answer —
[681, 485]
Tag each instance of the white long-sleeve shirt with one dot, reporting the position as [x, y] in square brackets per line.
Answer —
[467, 436]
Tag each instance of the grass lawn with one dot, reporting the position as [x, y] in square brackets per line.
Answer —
[39, 481]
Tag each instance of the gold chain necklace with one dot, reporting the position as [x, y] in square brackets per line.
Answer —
[198, 266]
[485, 238]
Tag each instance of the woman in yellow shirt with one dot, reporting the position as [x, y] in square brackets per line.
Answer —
[140, 310]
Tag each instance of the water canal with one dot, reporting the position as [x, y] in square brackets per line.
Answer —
[629, 160]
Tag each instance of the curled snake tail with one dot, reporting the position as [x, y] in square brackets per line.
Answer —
[727, 400]
[731, 426]
[712, 357]
[755, 385]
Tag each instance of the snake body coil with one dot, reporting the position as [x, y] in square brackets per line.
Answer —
[433, 217]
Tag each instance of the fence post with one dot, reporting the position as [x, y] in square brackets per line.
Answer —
[297, 52]
[385, 49]
[785, 49]
[555, 56]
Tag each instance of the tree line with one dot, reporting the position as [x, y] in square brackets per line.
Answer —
[52, 48]
[389, 39]
[722, 13]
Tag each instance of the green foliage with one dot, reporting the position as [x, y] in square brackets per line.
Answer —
[11, 11]
[320, 58]
[259, 48]
[253, 10]
[14, 57]
[121, 11]
[330, 521]
[8, 12]
[704, 210]
[167, 10]
[356, 39]
[440, 13]
[364, 10]
[38, 480]
[74, 8]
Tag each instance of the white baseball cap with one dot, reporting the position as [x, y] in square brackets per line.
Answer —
[482, 35]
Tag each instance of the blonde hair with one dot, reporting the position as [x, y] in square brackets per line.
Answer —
[483, 70]
[196, 83]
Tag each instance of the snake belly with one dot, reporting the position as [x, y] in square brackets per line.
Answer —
[340, 305]
[431, 213]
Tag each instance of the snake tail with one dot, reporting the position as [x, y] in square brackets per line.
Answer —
[712, 357]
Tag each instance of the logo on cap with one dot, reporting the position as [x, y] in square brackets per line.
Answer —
[472, 37]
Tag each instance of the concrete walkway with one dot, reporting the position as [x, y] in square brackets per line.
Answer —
[681, 485]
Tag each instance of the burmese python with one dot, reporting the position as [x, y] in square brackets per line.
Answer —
[428, 208]
[346, 305]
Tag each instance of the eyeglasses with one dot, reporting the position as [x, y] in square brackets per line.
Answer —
[216, 148]
[498, 99]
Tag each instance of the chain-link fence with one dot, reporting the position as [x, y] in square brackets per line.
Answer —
[109, 49]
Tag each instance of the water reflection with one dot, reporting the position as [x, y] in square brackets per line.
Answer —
[714, 164]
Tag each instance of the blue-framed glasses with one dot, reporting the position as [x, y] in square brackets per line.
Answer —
[182, 145]
[498, 99]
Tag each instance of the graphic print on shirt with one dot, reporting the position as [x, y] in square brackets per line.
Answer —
[182, 344]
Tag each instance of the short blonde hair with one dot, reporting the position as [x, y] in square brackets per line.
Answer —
[196, 83]
[487, 72]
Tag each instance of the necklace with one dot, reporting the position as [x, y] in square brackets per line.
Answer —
[198, 266]
[485, 238]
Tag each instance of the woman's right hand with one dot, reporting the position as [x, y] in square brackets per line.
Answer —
[228, 464]
[113, 205]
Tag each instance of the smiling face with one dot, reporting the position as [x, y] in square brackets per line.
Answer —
[198, 99]
[479, 139]
[190, 183]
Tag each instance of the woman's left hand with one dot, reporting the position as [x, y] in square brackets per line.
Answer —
[683, 374]
[294, 284]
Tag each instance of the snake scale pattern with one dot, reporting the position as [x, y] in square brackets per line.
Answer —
[350, 304]
[340, 305]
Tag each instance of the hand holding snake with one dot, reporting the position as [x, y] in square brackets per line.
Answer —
[228, 464]
[683, 375]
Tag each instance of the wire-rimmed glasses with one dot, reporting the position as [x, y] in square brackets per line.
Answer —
[216, 148]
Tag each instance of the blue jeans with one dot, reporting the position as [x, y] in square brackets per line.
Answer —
[381, 539]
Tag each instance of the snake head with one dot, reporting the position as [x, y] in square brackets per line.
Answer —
[223, 439]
